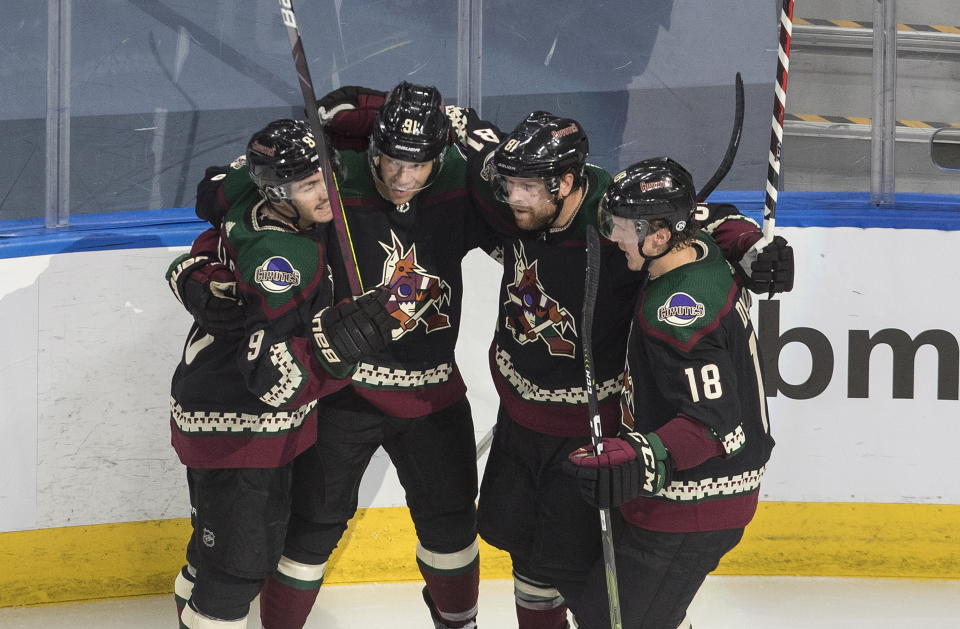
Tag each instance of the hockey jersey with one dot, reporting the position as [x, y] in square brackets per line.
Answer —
[250, 399]
[536, 358]
[694, 377]
[414, 251]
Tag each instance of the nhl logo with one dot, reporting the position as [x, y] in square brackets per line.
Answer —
[209, 539]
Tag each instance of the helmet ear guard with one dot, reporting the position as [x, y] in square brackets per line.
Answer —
[276, 193]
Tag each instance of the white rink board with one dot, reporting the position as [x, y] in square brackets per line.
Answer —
[878, 449]
[106, 337]
[90, 341]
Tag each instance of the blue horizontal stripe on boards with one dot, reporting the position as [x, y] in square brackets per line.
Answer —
[140, 229]
[179, 226]
[851, 209]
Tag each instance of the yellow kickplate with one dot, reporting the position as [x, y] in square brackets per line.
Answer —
[786, 538]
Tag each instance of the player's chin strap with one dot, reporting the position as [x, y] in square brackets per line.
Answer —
[668, 249]
[558, 202]
[542, 232]
[277, 203]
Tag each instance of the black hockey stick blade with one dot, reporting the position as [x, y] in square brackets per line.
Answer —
[732, 147]
[347, 254]
[590, 284]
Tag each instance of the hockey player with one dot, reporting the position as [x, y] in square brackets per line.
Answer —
[540, 200]
[536, 186]
[685, 470]
[409, 213]
[244, 405]
[409, 216]
[538, 176]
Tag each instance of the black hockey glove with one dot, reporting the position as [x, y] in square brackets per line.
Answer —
[211, 205]
[348, 114]
[208, 290]
[628, 467]
[771, 269]
[348, 332]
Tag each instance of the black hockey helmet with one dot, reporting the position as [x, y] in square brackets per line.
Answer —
[411, 126]
[657, 188]
[543, 146]
[282, 152]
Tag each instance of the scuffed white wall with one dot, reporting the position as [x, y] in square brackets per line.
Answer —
[19, 390]
[99, 335]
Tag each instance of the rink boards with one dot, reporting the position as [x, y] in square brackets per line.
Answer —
[862, 368]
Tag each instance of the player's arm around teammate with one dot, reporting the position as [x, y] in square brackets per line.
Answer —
[411, 225]
[535, 186]
[410, 217]
[685, 470]
[243, 403]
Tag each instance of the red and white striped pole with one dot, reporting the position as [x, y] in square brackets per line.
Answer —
[779, 110]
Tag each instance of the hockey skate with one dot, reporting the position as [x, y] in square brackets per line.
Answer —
[438, 622]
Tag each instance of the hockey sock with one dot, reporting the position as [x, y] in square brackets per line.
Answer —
[453, 584]
[539, 605]
[289, 593]
[183, 587]
[192, 619]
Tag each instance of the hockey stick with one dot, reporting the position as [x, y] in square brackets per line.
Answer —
[779, 110]
[484, 444]
[591, 281]
[732, 147]
[347, 254]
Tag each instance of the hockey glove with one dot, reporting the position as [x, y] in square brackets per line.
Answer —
[348, 332]
[212, 205]
[628, 467]
[207, 289]
[348, 114]
[771, 269]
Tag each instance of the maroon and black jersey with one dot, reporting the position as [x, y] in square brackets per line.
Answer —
[536, 358]
[695, 379]
[250, 399]
[415, 252]
[537, 355]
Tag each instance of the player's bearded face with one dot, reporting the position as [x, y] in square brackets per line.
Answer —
[403, 180]
[310, 198]
[532, 204]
